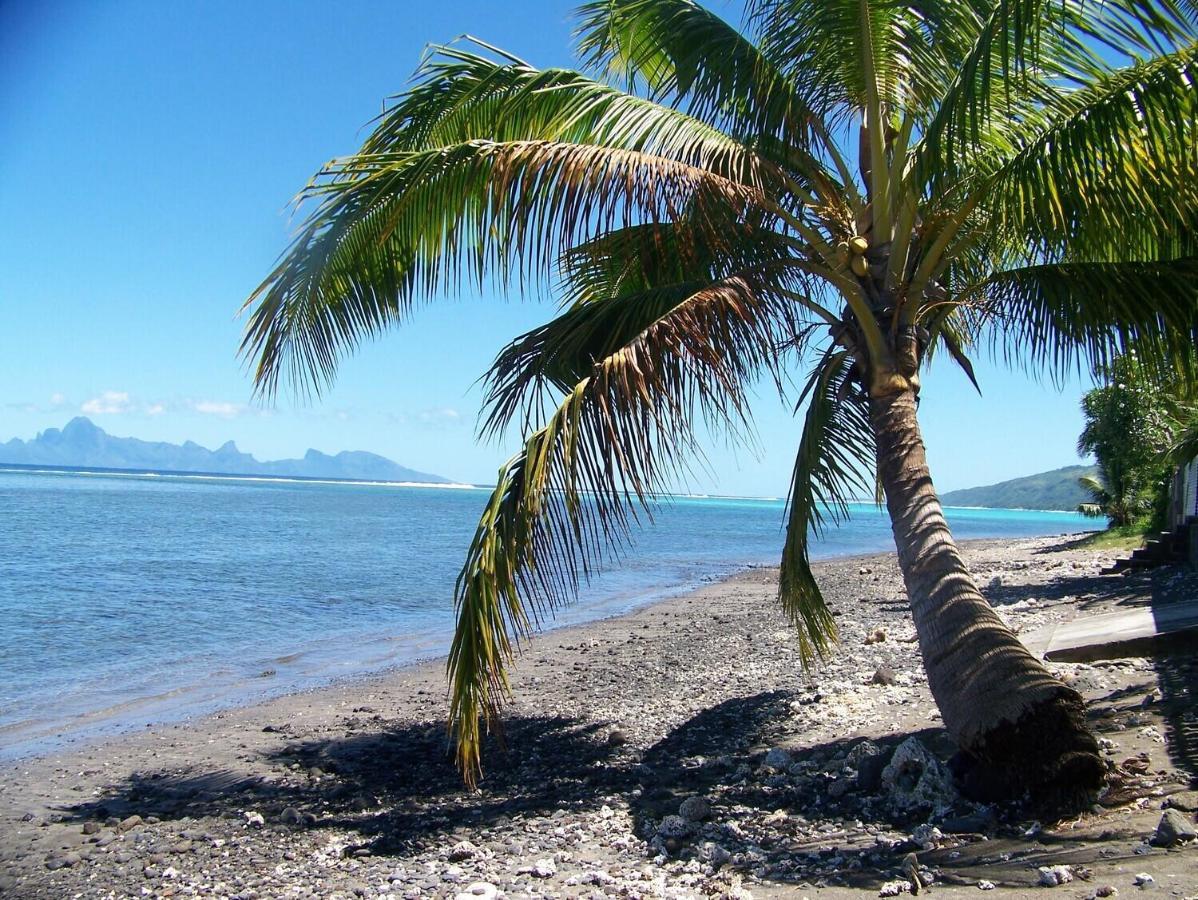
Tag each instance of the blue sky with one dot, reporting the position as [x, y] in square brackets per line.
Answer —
[148, 152]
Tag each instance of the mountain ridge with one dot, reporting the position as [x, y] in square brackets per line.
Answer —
[83, 443]
[1056, 489]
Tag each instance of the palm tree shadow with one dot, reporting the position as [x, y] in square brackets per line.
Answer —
[396, 789]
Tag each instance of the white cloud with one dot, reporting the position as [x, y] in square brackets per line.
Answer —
[155, 409]
[441, 415]
[57, 399]
[218, 408]
[108, 403]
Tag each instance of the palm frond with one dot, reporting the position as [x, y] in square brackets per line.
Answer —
[687, 56]
[833, 465]
[622, 434]
[390, 229]
[829, 46]
[1114, 170]
[1059, 317]
[617, 285]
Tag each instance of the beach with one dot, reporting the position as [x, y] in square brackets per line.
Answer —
[678, 750]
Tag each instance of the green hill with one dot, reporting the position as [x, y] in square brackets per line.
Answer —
[1057, 489]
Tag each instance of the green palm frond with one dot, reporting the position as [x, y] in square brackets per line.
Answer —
[830, 47]
[1059, 317]
[833, 466]
[460, 95]
[622, 434]
[1114, 169]
[621, 283]
[689, 57]
[391, 229]
[1027, 51]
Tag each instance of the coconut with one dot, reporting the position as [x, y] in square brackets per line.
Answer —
[859, 266]
[859, 245]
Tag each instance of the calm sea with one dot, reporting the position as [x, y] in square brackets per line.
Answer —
[126, 600]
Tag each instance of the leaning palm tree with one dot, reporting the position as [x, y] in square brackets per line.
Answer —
[848, 186]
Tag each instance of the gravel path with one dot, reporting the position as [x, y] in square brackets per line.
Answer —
[674, 752]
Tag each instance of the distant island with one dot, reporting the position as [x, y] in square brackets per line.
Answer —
[1057, 489]
[84, 444]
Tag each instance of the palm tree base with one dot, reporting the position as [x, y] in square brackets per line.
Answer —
[1047, 760]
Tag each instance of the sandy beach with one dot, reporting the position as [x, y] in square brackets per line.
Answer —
[677, 751]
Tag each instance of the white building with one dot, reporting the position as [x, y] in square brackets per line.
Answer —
[1185, 494]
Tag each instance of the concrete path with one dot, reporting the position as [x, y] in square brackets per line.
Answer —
[1132, 632]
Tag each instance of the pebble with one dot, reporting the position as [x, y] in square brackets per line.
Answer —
[1173, 829]
[695, 809]
[462, 851]
[483, 889]
[675, 827]
[1051, 876]
[1143, 880]
[778, 758]
[883, 675]
[543, 868]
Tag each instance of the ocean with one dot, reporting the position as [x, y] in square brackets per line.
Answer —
[126, 600]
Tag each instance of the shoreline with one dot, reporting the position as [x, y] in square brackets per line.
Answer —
[95, 728]
[349, 791]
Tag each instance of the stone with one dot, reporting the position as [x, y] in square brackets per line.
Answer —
[1143, 880]
[543, 868]
[92, 827]
[714, 854]
[1186, 801]
[869, 760]
[616, 738]
[129, 822]
[63, 861]
[927, 836]
[478, 889]
[462, 851]
[894, 888]
[1174, 828]
[695, 809]
[675, 827]
[914, 779]
[1104, 890]
[985, 885]
[778, 758]
[291, 816]
[254, 819]
[995, 583]
[876, 636]
[978, 822]
[883, 675]
[1051, 876]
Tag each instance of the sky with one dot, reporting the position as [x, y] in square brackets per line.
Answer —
[148, 154]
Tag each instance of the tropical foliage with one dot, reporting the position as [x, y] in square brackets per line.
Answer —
[1128, 428]
[849, 188]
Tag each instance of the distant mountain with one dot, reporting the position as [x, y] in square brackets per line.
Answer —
[1057, 489]
[82, 443]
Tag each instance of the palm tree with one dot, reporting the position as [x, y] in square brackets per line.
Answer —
[853, 186]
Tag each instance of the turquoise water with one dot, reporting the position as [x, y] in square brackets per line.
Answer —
[126, 600]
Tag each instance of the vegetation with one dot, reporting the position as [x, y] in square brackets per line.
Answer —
[1058, 489]
[1117, 537]
[854, 187]
[1128, 428]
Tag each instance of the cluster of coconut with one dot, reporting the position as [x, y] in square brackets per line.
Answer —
[852, 251]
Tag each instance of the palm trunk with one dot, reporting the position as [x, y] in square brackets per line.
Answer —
[1019, 727]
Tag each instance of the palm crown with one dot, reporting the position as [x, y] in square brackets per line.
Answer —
[855, 185]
